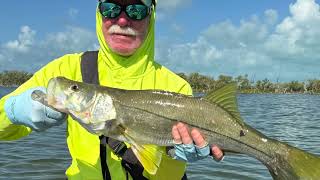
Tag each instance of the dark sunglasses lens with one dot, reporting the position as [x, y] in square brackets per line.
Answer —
[137, 11]
[110, 10]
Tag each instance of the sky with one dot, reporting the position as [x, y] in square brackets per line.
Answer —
[278, 40]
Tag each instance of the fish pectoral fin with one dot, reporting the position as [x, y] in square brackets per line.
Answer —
[149, 155]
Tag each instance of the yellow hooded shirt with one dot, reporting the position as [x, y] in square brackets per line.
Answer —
[136, 72]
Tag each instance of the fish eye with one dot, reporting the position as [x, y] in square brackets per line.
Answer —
[74, 87]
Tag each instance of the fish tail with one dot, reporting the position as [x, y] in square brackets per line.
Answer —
[292, 163]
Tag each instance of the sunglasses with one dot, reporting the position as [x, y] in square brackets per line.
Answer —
[133, 11]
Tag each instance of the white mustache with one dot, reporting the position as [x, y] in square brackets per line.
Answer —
[116, 29]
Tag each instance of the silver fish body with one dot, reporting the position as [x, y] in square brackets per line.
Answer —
[145, 117]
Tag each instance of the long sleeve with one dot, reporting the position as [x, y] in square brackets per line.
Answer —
[9, 131]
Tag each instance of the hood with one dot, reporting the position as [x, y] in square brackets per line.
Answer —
[149, 2]
[136, 65]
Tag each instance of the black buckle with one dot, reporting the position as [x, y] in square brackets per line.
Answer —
[120, 149]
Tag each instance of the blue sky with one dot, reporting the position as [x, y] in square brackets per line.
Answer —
[264, 39]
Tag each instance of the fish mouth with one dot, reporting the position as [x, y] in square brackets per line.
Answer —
[55, 95]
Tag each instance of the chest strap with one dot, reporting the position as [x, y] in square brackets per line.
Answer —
[89, 71]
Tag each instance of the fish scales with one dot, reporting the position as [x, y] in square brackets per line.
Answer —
[192, 111]
[142, 117]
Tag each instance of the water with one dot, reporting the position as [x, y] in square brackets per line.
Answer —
[291, 118]
[39, 156]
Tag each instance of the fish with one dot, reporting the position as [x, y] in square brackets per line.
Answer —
[144, 118]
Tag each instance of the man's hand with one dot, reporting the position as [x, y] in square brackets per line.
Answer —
[191, 145]
[23, 110]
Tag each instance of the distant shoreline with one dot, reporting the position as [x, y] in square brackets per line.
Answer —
[207, 91]
[8, 88]
[288, 93]
[204, 84]
[11, 86]
[265, 93]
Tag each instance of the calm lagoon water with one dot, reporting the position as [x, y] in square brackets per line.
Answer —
[291, 118]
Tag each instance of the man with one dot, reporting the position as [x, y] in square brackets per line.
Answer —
[125, 30]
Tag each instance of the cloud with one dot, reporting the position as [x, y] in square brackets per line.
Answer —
[73, 13]
[1, 59]
[177, 28]
[187, 55]
[23, 43]
[286, 48]
[29, 54]
[72, 39]
[271, 16]
[165, 8]
[228, 35]
[222, 48]
[172, 5]
[296, 38]
[262, 47]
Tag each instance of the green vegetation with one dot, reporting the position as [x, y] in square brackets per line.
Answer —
[13, 78]
[202, 83]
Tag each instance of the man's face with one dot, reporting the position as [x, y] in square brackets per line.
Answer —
[122, 34]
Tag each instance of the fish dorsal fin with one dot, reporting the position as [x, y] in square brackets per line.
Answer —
[226, 98]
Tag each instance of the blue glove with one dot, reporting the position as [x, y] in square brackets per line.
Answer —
[23, 110]
[190, 152]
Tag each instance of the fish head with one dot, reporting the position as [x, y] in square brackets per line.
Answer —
[69, 96]
[95, 112]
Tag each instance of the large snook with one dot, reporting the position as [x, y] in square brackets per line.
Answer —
[143, 117]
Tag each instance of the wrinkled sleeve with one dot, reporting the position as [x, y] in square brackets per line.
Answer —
[186, 89]
[9, 131]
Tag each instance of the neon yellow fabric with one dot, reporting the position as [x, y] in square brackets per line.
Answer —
[138, 71]
[139, 64]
